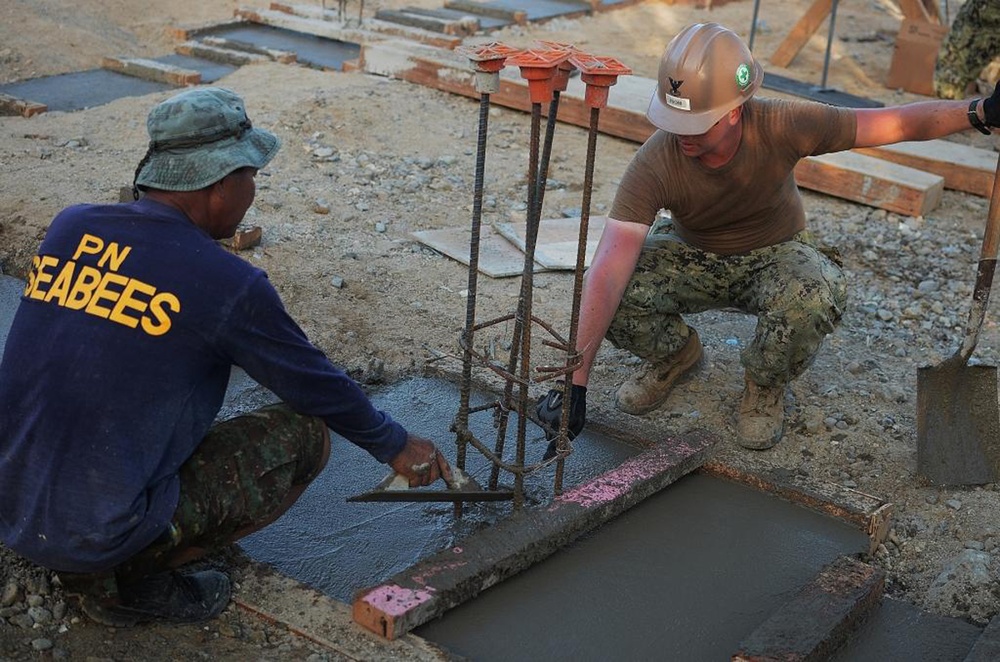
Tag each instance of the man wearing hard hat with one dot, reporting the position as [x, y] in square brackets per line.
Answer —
[722, 164]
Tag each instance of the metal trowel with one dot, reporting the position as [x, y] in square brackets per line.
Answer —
[462, 487]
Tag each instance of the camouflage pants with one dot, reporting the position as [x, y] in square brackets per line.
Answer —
[795, 290]
[972, 42]
[237, 480]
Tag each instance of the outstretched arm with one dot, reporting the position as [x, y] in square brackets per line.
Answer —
[922, 120]
[609, 273]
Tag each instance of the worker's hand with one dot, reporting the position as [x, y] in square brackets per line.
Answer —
[549, 410]
[991, 108]
[421, 463]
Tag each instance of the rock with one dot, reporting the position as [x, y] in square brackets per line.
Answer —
[22, 621]
[40, 615]
[11, 594]
[41, 644]
[962, 588]
[59, 610]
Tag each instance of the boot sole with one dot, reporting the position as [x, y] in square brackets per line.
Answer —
[762, 445]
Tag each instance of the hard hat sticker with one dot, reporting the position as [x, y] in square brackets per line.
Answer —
[677, 102]
[743, 76]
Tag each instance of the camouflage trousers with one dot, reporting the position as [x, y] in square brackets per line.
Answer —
[237, 480]
[796, 291]
[972, 42]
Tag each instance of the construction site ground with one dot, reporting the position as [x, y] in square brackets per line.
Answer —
[367, 160]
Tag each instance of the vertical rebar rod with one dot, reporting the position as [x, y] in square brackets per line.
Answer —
[470, 299]
[550, 129]
[753, 23]
[523, 319]
[581, 255]
[829, 43]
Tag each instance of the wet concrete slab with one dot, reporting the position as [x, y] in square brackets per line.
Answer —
[82, 89]
[532, 10]
[311, 50]
[418, 17]
[686, 575]
[341, 547]
[899, 631]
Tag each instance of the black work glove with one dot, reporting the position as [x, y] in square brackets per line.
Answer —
[991, 108]
[549, 410]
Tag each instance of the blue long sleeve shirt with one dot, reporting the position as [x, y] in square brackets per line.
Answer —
[116, 366]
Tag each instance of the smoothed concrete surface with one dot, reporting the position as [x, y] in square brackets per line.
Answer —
[685, 575]
[311, 50]
[340, 548]
[82, 89]
[898, 631]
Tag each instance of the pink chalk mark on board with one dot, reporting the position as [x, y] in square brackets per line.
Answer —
[616, 483]
[396, 600]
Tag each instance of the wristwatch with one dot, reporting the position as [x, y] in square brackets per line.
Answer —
[974, 118]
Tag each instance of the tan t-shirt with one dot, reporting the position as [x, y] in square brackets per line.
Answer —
[748, 203]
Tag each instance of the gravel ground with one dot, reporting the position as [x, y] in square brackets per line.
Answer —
[367, 160]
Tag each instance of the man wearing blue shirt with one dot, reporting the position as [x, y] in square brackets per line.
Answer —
[112, 473]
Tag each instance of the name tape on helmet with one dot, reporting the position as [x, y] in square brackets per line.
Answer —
[677, 102]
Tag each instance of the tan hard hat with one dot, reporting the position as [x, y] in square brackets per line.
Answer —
[705, 72]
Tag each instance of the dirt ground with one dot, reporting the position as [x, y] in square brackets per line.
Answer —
[368, 160]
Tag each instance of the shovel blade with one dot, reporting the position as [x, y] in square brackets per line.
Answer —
[958, 423]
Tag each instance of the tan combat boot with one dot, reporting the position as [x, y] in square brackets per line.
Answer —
[649, 387]
[762, 416]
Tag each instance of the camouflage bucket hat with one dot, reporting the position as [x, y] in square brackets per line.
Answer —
[198, 137]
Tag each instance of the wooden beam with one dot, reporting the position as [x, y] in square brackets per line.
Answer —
[814, 624]
[454, 575]
[801, 33]
[10, 105]
[964, 168]
[871, 181]
[152, 70]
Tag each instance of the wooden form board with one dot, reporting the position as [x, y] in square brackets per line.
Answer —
[964, 168]
[820, 618]
[850, 176]
[558, 240]
[801, 32]
[872, 181]
[152, 70]
[498, 257]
